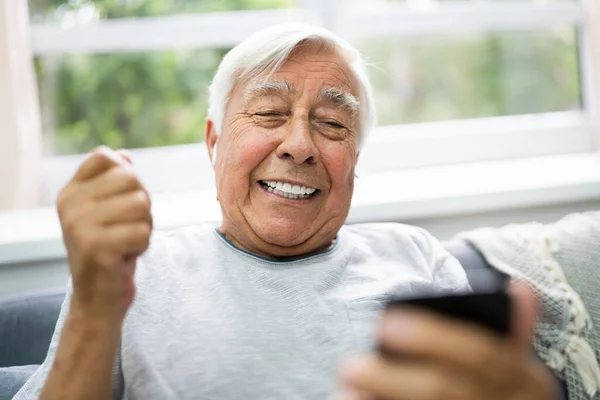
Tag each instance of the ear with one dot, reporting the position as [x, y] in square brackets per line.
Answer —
[210, 137]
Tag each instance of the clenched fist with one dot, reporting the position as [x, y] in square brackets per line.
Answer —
[105, 216]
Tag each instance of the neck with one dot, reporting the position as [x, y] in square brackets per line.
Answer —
[273, 252]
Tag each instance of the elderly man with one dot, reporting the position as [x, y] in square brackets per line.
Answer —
[272, 303]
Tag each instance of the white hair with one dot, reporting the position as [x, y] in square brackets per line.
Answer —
[268, 49]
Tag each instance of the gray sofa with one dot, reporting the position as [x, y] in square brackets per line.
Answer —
[26, 326]
[27, 322]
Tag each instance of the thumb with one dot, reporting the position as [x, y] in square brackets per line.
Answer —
[525, 309]
[125, 154]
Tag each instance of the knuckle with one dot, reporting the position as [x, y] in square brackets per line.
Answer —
[72, 219]
[144, 231]
[142, 237]
[98, 149]
[141, 199]
[128, 177]
[97, 155]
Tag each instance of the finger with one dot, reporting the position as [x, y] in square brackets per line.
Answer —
[127, 207]
[98, 161]
[126, 239]
[126, 155]
[417, 333]
[116, 180]
[427, 336]
[524, 314]
[123, 266]
[384, 379]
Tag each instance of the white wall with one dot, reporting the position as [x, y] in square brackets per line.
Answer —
[26, 277]
[20, 147]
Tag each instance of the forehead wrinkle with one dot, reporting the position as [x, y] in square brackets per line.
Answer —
[262, 88]
[340, 98]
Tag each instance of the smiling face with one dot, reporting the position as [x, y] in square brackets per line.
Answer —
[286, 156]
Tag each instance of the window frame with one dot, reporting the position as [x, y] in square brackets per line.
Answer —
[389, 147]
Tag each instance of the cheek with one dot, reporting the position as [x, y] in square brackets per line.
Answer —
[340, 167]
[245, 153]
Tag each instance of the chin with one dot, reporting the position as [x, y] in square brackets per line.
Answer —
[285, 234]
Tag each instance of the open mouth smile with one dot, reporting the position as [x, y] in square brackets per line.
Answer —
[289, 191]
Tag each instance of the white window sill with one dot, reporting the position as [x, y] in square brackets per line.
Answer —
[404, 195]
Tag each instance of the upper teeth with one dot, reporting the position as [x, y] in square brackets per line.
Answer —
[290, 189]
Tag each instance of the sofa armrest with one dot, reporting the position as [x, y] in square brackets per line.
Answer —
[27, 323]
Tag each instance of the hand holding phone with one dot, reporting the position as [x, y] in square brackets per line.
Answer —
[490, 310]
[421, 356]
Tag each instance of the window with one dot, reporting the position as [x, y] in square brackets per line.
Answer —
[125, 100]
[455, 81]
[474, 75]
[71, 12]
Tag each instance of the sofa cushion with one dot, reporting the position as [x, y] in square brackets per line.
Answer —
[480, 275]
[12, 378]
[26, 326]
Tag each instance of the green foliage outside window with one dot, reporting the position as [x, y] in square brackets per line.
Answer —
[445, 78]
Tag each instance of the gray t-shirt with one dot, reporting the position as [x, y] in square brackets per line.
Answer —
[211, 321]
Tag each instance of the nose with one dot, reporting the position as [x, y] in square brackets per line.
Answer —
[298, 145]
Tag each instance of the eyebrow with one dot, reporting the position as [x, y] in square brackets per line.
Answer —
[263, 88]
[335, 95]
[340, 98]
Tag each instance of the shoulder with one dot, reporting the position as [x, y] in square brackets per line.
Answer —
[176, 246]
[389, 235]
[413, 246]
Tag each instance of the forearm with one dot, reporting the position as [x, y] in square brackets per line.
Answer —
[83, 365]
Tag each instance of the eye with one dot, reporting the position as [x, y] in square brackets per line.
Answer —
[334, 125]
[269, 114]
[269, 119]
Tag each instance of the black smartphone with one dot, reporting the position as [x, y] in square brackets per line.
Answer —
[491, 310]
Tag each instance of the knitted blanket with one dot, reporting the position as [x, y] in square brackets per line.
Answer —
[561, 262]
